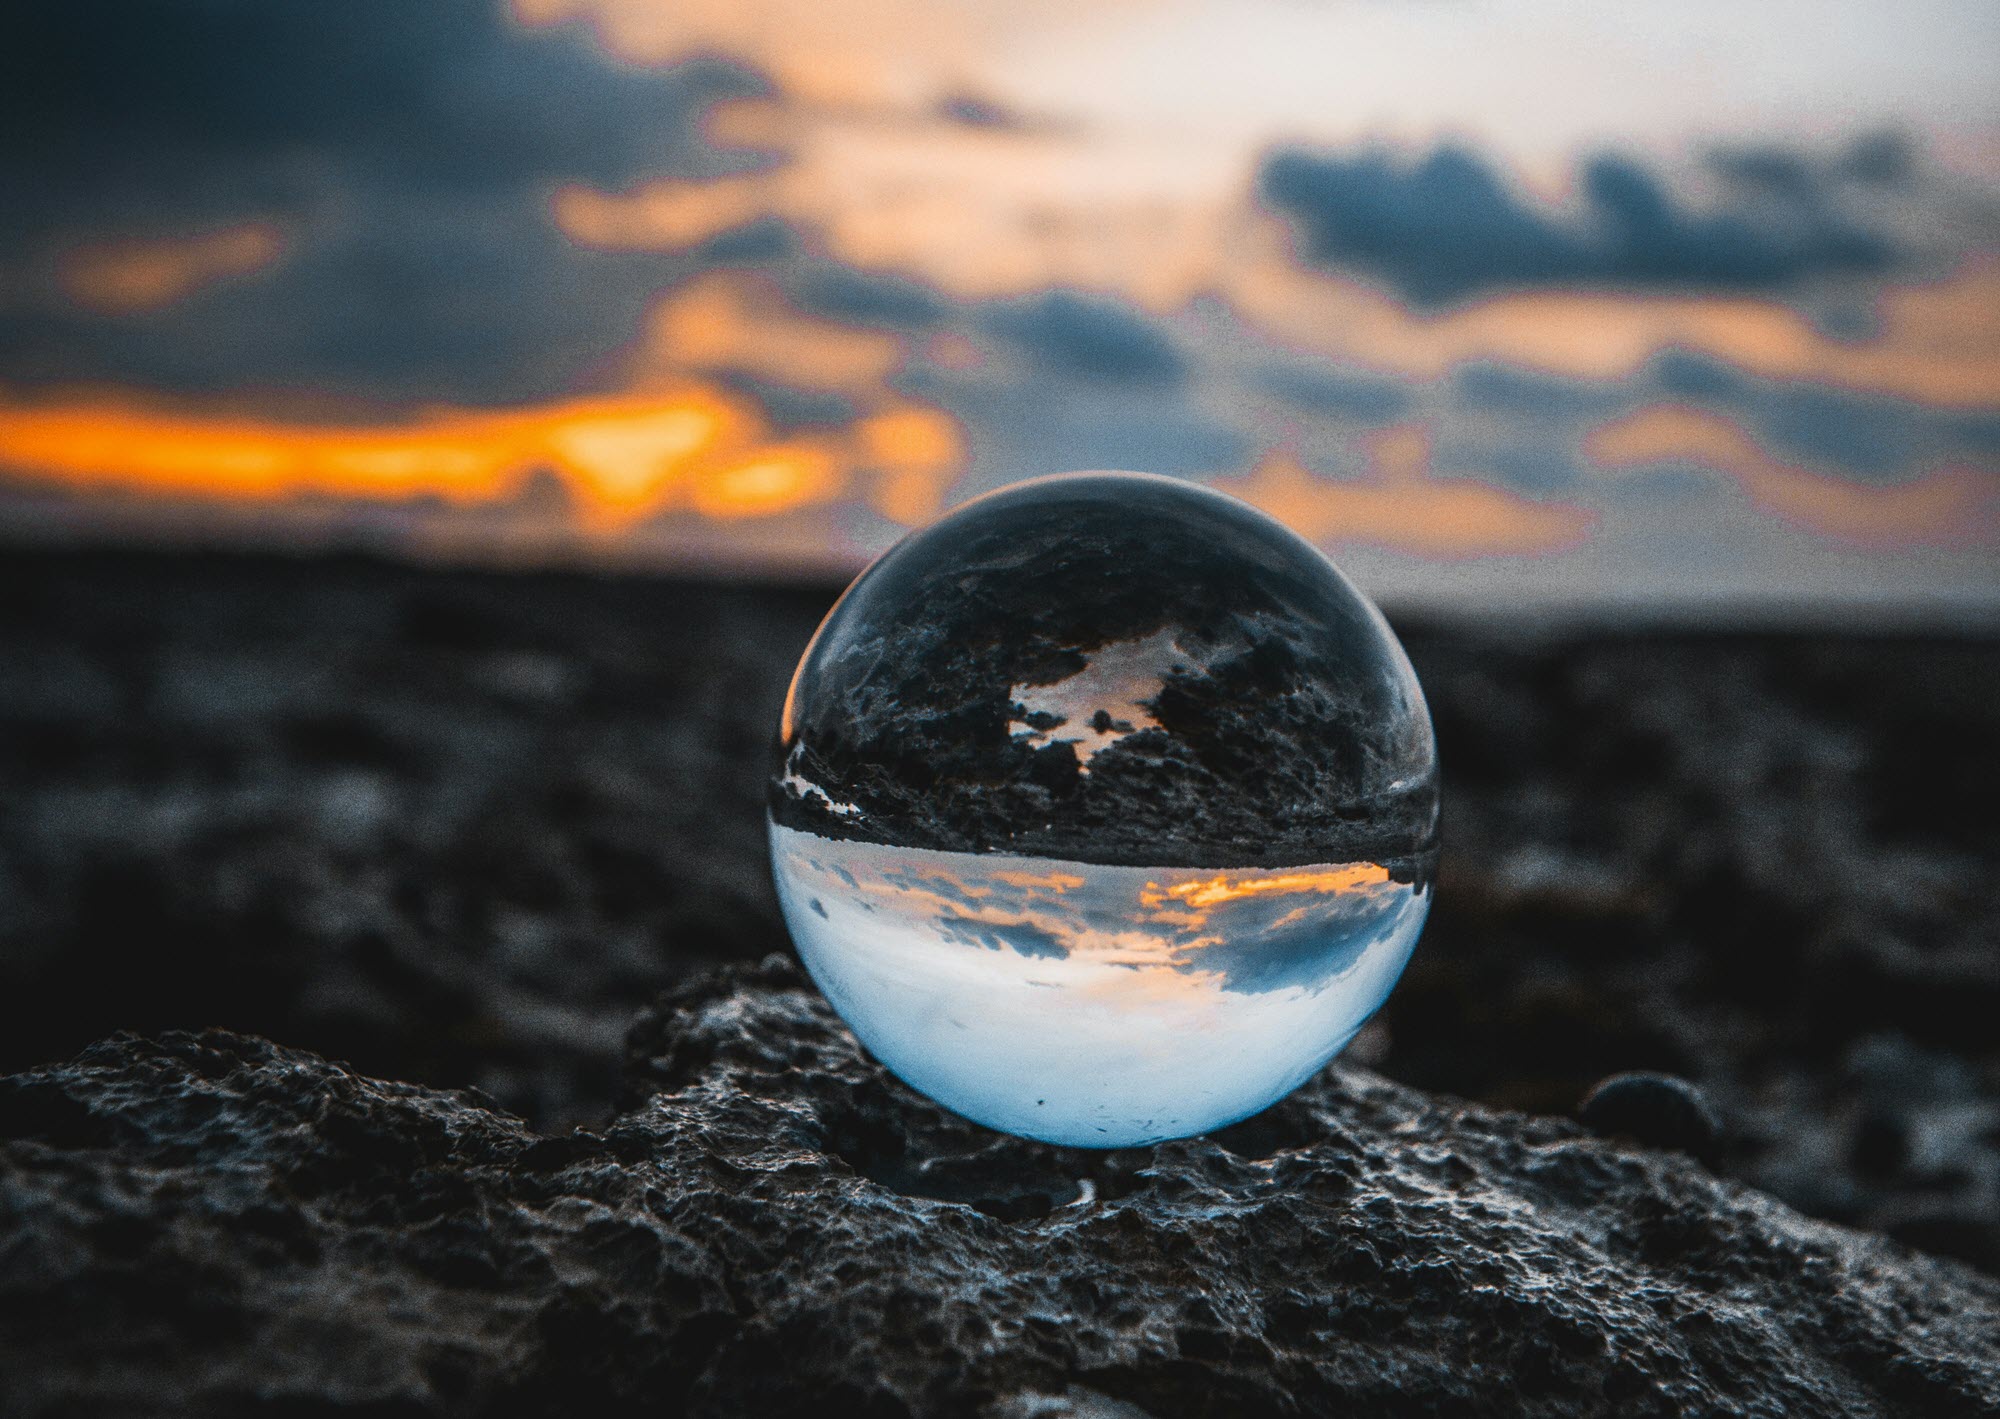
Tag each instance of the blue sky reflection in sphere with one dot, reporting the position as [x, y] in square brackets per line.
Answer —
[1105, 810]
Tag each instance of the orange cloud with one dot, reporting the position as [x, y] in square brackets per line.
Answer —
[770, 480]
[1129, 937]
[1157, 213]
[916, 452]
[977, 212]
[129, 277]
[673, 439]
[1953, 505]
[1055, 880]
[909, 50]
[991, 214]
[661, 216]
[728, 322]
[621, 458]
[1401, 506]
[1201, 893]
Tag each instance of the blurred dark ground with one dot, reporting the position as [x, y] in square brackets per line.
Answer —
[457, 827]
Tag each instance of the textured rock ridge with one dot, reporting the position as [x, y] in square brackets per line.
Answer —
[211, 1223]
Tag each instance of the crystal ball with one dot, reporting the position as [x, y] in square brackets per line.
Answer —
[1104, 810]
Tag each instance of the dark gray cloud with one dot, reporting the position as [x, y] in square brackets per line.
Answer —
[406, 299]
[865, 298]
[410, 145]
[1871, 437]
[790, 408]
[1527, 465]
[1493, 387]
[121, 107]
[1102, 385]
[1881, 160]
[1326, 388]
[1022, 938]
[1281, 943]
[975, 112]
[1449, 226]
[1088, 336]
[758, 242]
[1978, 433]
[1044, 424]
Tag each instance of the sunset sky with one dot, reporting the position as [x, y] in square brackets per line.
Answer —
[1645, 305]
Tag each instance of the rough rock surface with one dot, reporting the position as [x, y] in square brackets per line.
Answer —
[211, 1223]
[459, 827]
[456, 828]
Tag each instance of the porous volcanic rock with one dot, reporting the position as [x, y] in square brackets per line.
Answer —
[458, 827]
[201, 1223]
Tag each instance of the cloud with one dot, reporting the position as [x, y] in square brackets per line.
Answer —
[976, 112]
[1882, 159]
[1042, 422]
[121, 277]
[787, 406]
[1449, 227]
[864, 298]
[1495, 387]
[667, 215]
[1024, 938]
[1089, 337]
[1885, 159]
[1936, 340]
[1521, 463]
[732, 406]
[1953, 505]
[734, 323]
[1294, 944]
[407, 150]
[1251, 931]
[1403, 507]
[410, 302]
[845, 54]
[619, 454]
[619, 461]
[1320, 387]
[765, 241]
[127, 105]
[1863, 435]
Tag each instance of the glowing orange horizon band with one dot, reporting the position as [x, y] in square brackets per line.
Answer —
[622, 457]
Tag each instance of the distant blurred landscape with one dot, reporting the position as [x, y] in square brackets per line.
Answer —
[1696, 313]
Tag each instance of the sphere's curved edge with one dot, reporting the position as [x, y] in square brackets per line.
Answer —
[1114, 668]
[1108, 1144]
[1105, 810]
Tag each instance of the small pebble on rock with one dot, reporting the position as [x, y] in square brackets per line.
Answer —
[1657, 1110]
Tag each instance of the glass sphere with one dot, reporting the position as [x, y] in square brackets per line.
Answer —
[1104, 810]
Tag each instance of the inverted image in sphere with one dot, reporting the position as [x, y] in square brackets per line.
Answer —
[1104, 810]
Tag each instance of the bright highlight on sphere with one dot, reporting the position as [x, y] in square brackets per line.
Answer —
[1105, 810]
